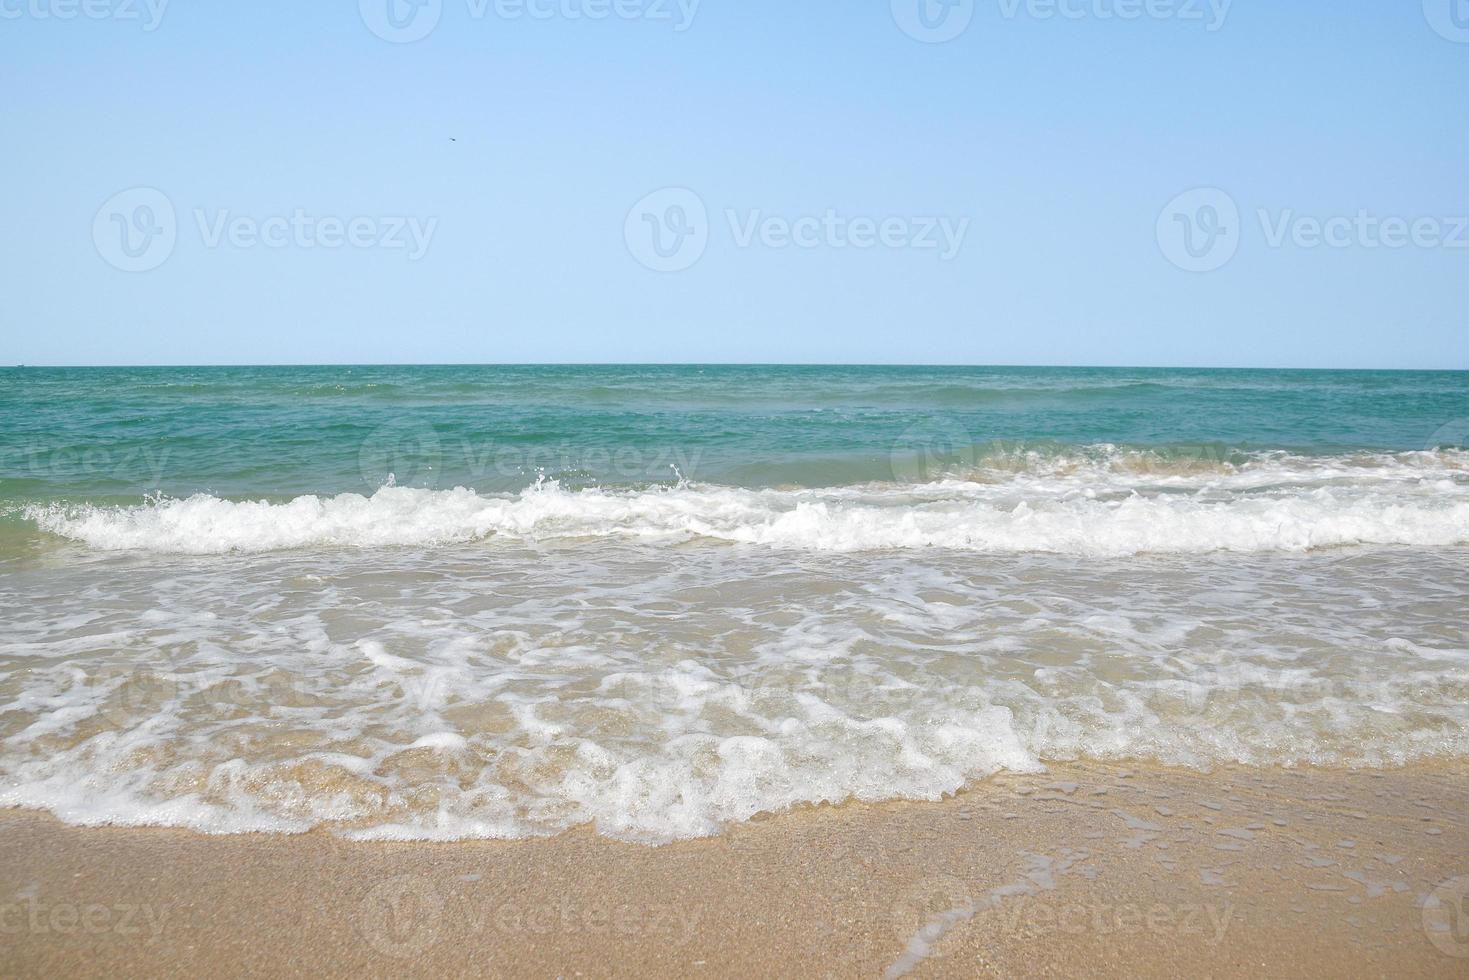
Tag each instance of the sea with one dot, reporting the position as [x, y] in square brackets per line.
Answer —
[504, 601]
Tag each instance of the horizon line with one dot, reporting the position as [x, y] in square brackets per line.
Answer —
[721, 364]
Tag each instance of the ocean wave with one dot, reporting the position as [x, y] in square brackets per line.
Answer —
[659, 693]
[1103, 503]
[379, 757]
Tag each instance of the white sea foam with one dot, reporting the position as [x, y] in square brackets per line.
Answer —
[1103, 504]
[660, 693]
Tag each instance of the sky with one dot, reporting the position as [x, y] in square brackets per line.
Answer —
[1108, 182]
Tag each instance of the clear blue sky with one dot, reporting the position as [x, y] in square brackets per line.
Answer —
[528, 140]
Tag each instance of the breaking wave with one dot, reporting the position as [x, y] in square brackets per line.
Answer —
[1102, 502]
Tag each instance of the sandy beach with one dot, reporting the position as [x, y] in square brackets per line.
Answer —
[1085, 870]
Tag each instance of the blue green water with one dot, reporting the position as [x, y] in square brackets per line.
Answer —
[505, 601]
[277, 432]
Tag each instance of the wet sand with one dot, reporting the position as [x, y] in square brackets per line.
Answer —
[1084, 871]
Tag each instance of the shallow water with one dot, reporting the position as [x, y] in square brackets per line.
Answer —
[846, 583]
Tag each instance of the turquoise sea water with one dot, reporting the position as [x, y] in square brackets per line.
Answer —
[282, 431]
[503, 601]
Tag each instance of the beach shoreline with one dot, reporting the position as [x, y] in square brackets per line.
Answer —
[1087, 869]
